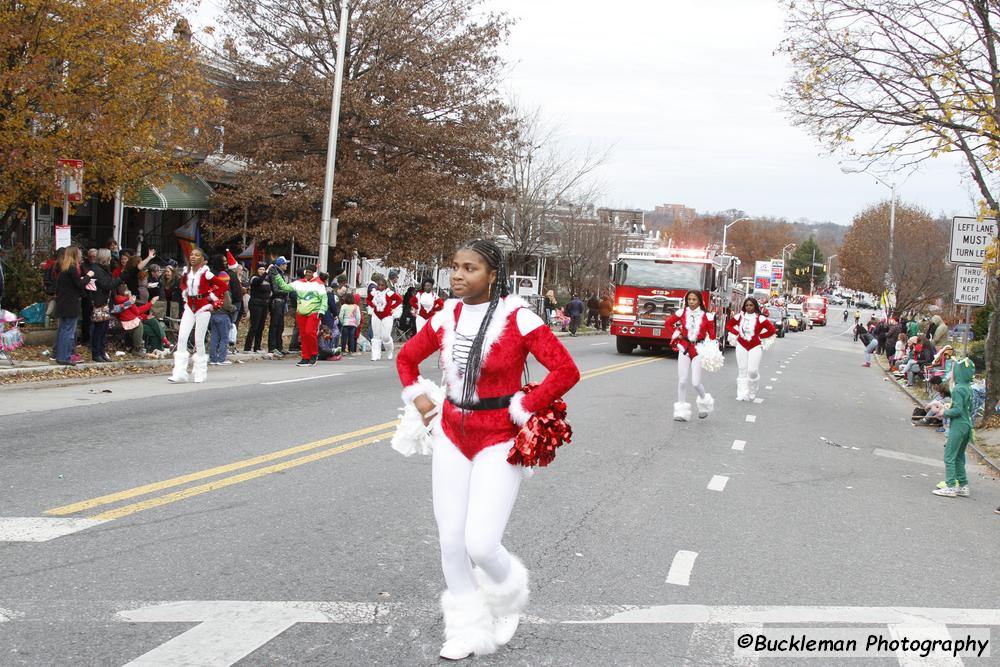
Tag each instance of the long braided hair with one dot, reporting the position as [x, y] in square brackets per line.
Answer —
[495, 260]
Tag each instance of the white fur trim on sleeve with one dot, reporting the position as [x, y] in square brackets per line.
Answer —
[421, 387]
[527, 321]
[518, 414]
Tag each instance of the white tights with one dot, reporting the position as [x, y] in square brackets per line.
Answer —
[381, 335]
[197, 321]
[685, 368]
[472, 503]
[749, 364]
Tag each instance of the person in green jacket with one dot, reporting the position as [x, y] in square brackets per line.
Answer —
[956, 484]
[310, 300]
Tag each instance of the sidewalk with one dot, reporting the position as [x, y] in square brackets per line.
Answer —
[28, 370]
[986, 442]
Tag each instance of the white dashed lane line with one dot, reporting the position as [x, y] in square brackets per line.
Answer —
[758, 401]
[751, 418]
[769, 387]
[717, 483]
[680, 568]
[738, 445]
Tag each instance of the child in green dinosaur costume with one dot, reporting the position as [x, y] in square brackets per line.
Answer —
[956, 484]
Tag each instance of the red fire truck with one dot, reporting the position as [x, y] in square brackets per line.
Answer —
[650, 285]
[815, 307]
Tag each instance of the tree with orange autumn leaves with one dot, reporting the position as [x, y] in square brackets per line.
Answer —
[103, 81]
[919, 261]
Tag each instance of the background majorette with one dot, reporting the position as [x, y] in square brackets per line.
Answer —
[750, 328]
[693, 325]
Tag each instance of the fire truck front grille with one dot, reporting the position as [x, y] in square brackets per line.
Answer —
[652, 311]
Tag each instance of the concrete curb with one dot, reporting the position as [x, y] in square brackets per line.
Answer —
[566, 334]
[56, 370]
[916, 399]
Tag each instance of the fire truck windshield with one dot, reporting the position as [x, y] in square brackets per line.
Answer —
[660, 273]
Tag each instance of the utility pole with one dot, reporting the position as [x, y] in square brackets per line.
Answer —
[812, 270]
[326, 221]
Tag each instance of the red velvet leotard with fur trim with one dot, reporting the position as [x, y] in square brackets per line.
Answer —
[505, 352]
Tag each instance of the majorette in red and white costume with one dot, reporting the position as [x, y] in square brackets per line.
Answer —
[749, 330]
[691, 328]
[474, 486]
[202, 292]
[381, 304]
[424, 305]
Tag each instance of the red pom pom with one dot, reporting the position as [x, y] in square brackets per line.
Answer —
[542, 434]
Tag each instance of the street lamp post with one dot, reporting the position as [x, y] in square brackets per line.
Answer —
[331, 147]
[889, 278]
[784, 266]
[725, 229]
[829, 269]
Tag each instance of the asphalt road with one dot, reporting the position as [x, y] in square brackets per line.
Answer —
[262, 518]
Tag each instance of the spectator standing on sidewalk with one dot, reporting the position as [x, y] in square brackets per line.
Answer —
[310, 299]
[938, 332]
[593, 311]
[170, 285]
[912, 328]
[69, 288]
[551, 305]
[574, 310]
[104, 287]
[260, 297]
[277, 306]
[605, 308]
[222, 315]
[87, 303]
[234, 269]
[350, 317]
[956, 483]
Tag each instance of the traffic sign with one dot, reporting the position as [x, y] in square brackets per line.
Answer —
[969, 239]
[970, 286]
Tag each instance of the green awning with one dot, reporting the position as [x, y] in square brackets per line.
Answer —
[180, 193]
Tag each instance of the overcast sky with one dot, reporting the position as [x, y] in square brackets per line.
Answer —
[685, 93]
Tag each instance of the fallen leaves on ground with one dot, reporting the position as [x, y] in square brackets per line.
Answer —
[83, 373]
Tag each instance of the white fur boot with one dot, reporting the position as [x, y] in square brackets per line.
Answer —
[390, 347]
[506, 600]
[376, 349]
[199, 369]
[705, 405]
[742, 389]
[682, 412]
[468, 626]
[180, 373]
[753, 388]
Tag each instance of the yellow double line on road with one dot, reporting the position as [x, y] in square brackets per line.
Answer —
[375, 434]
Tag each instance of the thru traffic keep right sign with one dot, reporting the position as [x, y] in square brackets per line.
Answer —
[969, 239]
[970, 286]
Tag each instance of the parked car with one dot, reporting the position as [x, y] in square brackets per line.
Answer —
[961, 333]
[779, 318]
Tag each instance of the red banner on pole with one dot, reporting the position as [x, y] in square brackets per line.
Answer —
[71, 179]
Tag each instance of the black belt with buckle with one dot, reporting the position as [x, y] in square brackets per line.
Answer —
[496, 403]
